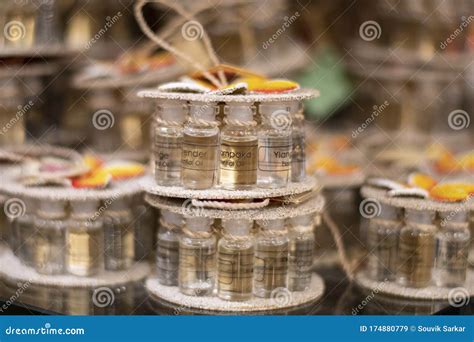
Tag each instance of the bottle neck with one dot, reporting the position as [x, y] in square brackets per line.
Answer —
[203, 111]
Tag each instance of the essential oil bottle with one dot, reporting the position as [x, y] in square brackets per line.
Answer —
[199, 158]
[416, 249]
[271, 258]
[235, 256]
[119, 236]
[50, 237]
[169, 233]
[274, 145]
[22, 239]
[197, 257]
[452, 241]
[167, 144]
[298, 154]
[301, 235]
[239, 146]
[84, 239]
[144, 218]
[382, 243]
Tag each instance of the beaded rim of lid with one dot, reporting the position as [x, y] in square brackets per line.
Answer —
[415, 203]
[308, 184]
[84, 81]
[12, 269]
[273, 211]
[171, 294]
[427, 293]
[294, 95]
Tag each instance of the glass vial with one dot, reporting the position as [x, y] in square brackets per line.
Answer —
[200, 147]
[169, 232]
[50, 241]
[24, 231]
[197, 257]
[452, 240]
[144, 222]
[12, 116]
[239, 146]
[298, 154]
[235, 256]
[382, 243]
[84, 240]
[167, 144]
[271, 258]
[302, 241]
[274, 145]
[416, 249]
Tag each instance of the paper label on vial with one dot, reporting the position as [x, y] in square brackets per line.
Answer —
[298, 155]
[168, 154]
[199, 156]
[274, 156]
[238, 164]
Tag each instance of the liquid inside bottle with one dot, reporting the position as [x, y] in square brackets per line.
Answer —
[417, 249]
[197, 258]
[274, 145]
[168, 143]
[168, 247]
[238, 151]
[301, 252]
[298, 154]
[200, 147]
[25, 235]
[235, 261]
[49, 246]
[382, 244]
[452, 241]
[119, 242]
[12, 117]
[271, 258]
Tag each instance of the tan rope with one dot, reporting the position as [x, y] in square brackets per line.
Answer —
[196, 234]
[233, 122]
[230, 205]
[162, 122]
[273, 232]
[202, 122]
[168, 225]
[346, 265]
[146, 29]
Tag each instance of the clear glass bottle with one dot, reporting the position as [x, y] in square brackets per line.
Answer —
[239, 146]
[200, 147]
[167, 144]
[382, 243]
[235, 256]
[302, 241]
[452, 241]
[144, 221]
[49, 237]
[24, 238]
[416, 249]
[274, 145]
[197, 257]
[119, 241]
[271, 258]
[12, 116]
[298, 154]
[167, 255]
[84, 239]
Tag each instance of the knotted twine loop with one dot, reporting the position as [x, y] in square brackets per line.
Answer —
[168, 225]
[138, 11]
[169, 123]
[269, 233]
[197, 234]
[204, 123]
[230, 205]
[233, 122]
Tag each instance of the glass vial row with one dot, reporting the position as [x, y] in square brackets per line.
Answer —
[193, 152]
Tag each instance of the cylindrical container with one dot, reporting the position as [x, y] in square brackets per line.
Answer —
[84, 239]
[452, 241]
[167, 260]
[197, 257]
[271, 258]
[302, 241]
[416, 249]
[274, 145]
[144, 221]
[298, 154]
[235, 256]
[119, 242]
[239, 146]
[200, 147]
[382, 243]
[168, 140]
